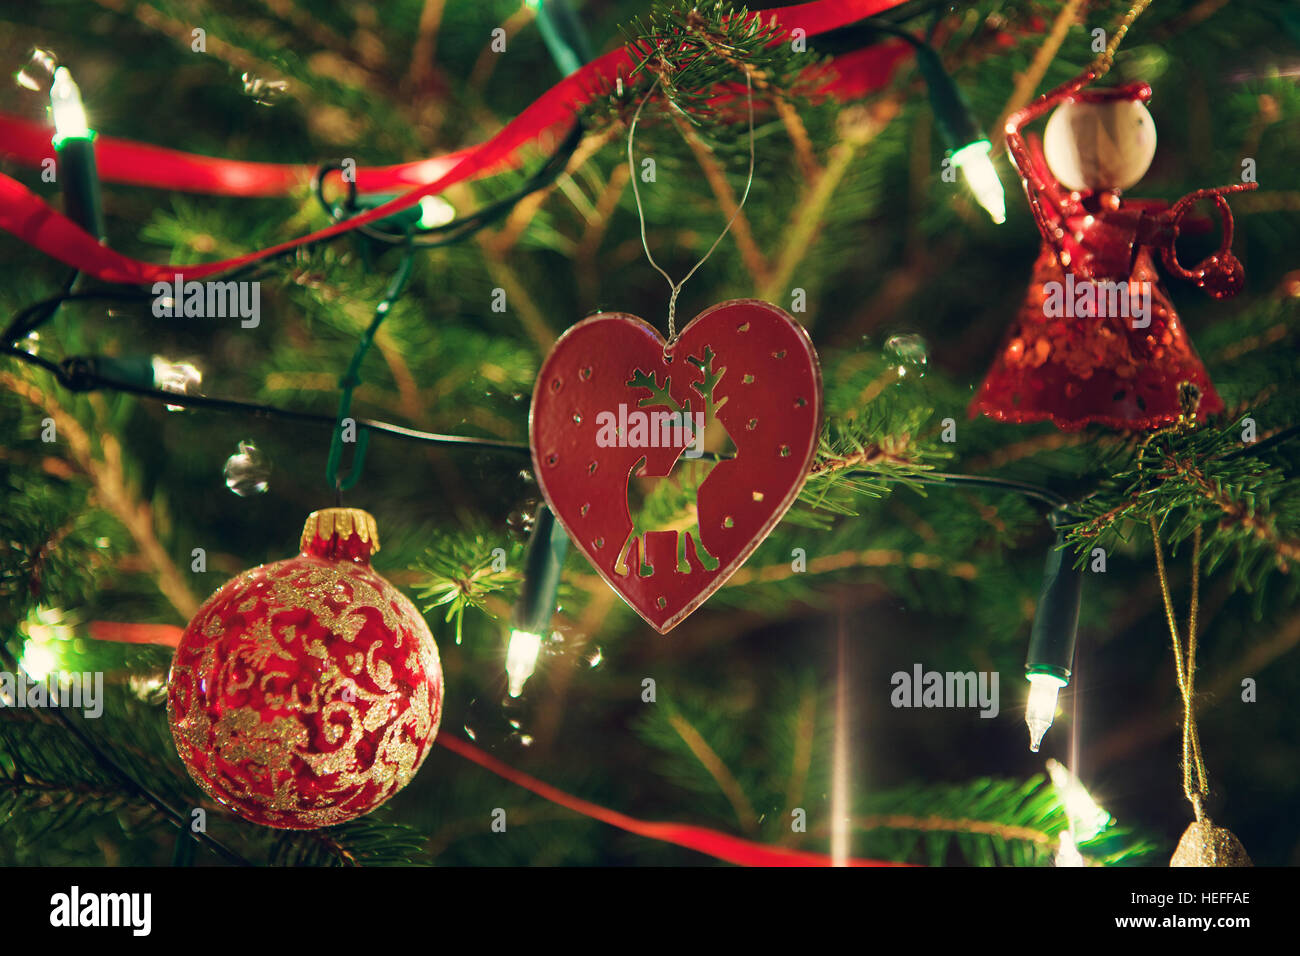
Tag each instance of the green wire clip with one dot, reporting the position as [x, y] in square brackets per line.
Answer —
[352, 378]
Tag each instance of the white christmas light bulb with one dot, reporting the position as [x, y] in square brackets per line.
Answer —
[179, 377]
[65, 102]
[435, 211]
[46, 632]
[982, 178]
[1040, 711]
[521, 659]
[1087, 819]
[1067, 853]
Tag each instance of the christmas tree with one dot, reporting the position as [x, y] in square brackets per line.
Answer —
[989, 475]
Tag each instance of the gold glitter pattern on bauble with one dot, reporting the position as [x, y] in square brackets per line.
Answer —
[305, 692]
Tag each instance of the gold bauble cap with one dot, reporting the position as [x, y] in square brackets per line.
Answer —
[346, 523]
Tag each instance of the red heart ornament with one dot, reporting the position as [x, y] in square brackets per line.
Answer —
[603, 413]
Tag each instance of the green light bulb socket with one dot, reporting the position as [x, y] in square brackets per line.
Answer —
[79, 179]
[1056, 621]
[543, 565]
[562, 33]
[952, 115]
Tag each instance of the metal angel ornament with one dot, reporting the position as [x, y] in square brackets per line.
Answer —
[1097, 338]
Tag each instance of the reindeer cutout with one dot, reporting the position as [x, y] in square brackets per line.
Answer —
[654, 500]
[663, 524]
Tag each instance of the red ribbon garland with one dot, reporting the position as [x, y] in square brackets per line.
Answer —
[28, 217]
[712, 843]
[720, 846]
[140, 164]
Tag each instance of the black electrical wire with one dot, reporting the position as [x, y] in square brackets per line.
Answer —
[868, 31]
[27, 320]
[1044, 495]
[30, 318]
[33, 316]
[462, 227]
[78, 374]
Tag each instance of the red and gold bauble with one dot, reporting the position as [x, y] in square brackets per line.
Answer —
[306, 692]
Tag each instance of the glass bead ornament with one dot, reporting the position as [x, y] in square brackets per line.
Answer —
[247, 472]
[263, 91]
[908, 352]
[306, 692]
[37, 72]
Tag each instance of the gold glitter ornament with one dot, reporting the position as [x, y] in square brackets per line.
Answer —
[1204, 844]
